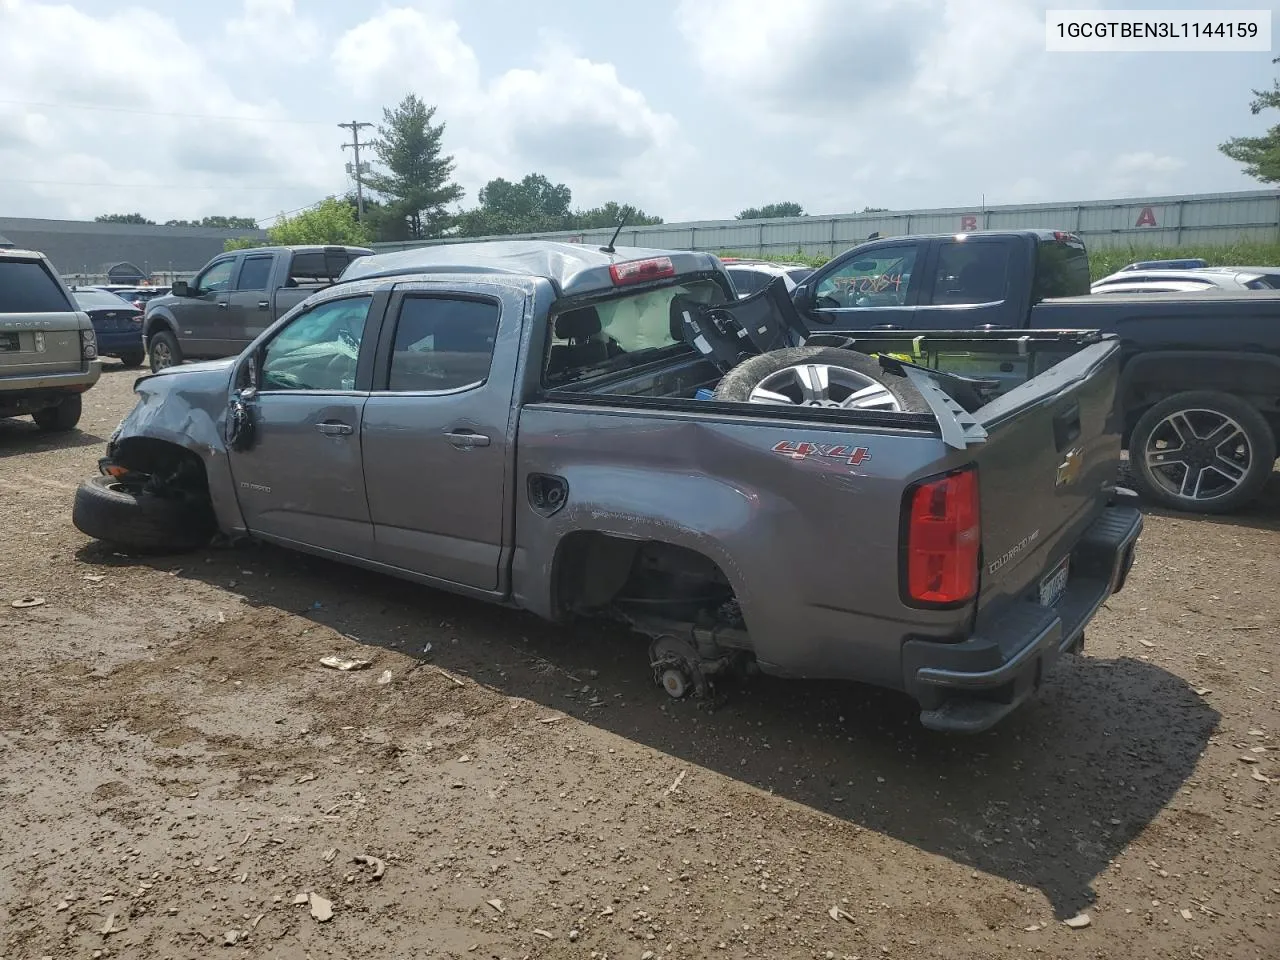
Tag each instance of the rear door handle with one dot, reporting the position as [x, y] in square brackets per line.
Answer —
[264, 304]
[334, 428]
[222, 304]
[466, 439]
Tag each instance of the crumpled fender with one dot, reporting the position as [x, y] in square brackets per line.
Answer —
[187, 406]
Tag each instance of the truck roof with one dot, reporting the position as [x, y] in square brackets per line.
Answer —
[574, 268]
[305, 248]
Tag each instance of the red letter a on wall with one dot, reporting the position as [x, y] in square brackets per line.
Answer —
[1146, 218]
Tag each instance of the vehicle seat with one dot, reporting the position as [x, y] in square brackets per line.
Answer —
[586, 345]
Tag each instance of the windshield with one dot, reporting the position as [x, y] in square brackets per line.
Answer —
[99, 299]
[621, 332]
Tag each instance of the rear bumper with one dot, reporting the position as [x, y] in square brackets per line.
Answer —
[15, 386]
[970, 686]
[112, 342]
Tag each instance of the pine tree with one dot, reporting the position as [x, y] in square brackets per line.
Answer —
[418, 185]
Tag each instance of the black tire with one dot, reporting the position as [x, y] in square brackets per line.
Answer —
[170, 353]
[134, 358]
[1203, 406]
[129, 517]
[739, 382]
[61, 418]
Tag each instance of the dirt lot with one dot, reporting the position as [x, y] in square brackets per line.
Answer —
[177, 770]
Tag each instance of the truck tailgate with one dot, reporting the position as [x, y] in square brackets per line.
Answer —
[1046, 471]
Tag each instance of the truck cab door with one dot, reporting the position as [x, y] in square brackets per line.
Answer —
[870, 288]
[437, 429]
[249, 311]
[300, 482]
[976, 282]
[202, 314]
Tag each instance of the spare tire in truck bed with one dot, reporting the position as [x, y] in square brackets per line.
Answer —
[820, 377]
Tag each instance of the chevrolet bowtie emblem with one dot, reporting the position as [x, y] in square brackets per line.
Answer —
[1069, 468]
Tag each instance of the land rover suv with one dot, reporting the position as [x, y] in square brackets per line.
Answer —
[48, 353]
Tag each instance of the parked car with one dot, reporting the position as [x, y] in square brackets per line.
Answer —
[1186, 263]
[1225, 278]
[524, 422]
[140, 296]
[1198, 392]
[117, 325]
[48, 352]
[752, 276]
[1158, 286]
[235, 297]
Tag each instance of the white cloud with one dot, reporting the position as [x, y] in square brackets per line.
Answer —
[567, 116]
[272, 29]
[1141, 173]
[88, 130]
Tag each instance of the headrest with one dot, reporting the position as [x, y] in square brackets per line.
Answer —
[578, 324]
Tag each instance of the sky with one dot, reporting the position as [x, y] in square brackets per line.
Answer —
[690, 109]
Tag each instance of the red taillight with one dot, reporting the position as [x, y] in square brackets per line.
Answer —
[942, 539]
[638, 271]
[1065, 237]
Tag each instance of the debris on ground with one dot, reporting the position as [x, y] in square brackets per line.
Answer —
[232, 937]
[836, 913]
[379, 866]
[1078, 922]
[300, 899]
[25, 602]
[345, 664]
[1187, 914]
[385, 678]
[321, 909]
[675, 784]
[449, 676]
[329, 854]
[544, 933]
[497, 904]
[94, 577]
[110, 926]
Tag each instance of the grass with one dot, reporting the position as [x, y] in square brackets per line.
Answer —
[1110, 259]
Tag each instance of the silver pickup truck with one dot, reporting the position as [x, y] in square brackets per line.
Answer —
[577, 430]
[48, 351]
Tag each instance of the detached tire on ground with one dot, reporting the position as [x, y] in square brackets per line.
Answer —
[829, 377]
[61, 418]
[127, 516]
[1202, 452]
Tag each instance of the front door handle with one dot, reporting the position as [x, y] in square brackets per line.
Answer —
[466, 439]
[885, 326]
[264, 304]
[222, 304]
[334, 428]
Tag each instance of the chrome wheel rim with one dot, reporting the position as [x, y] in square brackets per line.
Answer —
[160, 355]
[1198, 455]
[823, 385]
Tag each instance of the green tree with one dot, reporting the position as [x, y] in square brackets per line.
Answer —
[222, 223]
[875, 209]
[607, 215]
[330, 221]
[418, 185]
[123, 218]
[1260, 155]
[532, 205]
[787, 209]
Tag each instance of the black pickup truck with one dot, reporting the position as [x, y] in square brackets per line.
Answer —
[1200, 381]
[236, 296]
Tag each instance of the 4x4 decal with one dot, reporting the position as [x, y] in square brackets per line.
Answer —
[804, 450]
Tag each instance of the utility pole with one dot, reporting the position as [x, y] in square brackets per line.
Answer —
[356, 169]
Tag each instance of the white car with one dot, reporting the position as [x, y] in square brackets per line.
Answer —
[1208, 278]
[752, 276]
[1156, 286]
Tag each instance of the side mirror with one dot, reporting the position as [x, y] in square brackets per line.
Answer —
[180, 288]
[802, 297]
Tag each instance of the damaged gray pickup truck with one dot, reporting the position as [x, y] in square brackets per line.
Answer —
[576, 430]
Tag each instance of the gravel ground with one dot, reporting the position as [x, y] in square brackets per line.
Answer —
[178, 772]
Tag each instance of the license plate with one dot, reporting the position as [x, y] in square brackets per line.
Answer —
[1054, 585]
[9, 342]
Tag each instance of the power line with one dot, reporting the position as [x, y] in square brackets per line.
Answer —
[157, 113]
[355, 126]
[146, 186]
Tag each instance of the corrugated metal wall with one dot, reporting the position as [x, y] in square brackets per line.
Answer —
[1196, 219]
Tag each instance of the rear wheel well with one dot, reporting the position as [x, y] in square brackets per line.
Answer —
[595, 570]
